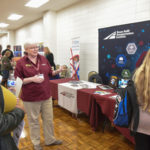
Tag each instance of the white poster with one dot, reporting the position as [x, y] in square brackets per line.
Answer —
[75, 58]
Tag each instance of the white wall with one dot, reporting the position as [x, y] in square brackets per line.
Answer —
[4, 41]
[83, 20]
[11, 36]
[8, 39]
[32, 32]
[49, 26]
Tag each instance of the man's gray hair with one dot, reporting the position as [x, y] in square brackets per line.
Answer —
[28, 44]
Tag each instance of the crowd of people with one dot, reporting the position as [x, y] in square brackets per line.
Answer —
[35, 71]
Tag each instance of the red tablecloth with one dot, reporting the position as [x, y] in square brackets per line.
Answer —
[84, 100]
[93, 105]
[107, 106]
[106, 103]
[54, 86]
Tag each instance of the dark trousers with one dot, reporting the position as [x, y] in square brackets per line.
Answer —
[142, 141]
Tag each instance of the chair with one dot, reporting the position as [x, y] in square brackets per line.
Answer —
[96, 78]
[91, 73]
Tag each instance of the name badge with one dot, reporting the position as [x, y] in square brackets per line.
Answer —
[28, 65]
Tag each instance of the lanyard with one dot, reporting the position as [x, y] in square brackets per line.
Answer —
[38, 66]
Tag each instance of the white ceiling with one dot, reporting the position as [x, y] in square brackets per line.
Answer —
[30, 14]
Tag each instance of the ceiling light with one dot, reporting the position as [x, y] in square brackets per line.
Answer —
[15, 17]
[3, 25]
[36, 3]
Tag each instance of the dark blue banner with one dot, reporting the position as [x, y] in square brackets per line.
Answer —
[122, 49]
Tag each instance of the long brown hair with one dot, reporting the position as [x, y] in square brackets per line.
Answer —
[7, 53]
[142, 83]
[47, 50]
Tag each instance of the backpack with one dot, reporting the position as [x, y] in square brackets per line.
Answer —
[126, 108]
[95, 78]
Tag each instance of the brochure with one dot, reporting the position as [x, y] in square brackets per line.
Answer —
[113, 97]
[18, 86]
[17, 132]
[104, 87]
[102, 92]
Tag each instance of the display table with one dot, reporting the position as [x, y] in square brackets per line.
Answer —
[94, 104]
[91, 104]
[67, 94]
[87, 103]
[84, 100]
[54, 86]
[107, 105]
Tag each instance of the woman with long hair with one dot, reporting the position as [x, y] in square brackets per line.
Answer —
[142, 84]
[50, 57]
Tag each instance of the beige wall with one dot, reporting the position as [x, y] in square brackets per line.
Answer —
[82, 20]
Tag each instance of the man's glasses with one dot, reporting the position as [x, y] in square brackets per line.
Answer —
[35, 47]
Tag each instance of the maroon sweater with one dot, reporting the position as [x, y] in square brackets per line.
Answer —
[34, 92]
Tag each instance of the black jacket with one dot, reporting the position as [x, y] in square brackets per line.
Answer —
[8, 122]
[50, 58]
[131, 90]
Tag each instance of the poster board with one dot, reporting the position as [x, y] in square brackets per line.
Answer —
[75, 58]
[17, 51]
[122, 49]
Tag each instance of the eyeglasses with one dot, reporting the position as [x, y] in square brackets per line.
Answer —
[33, 47]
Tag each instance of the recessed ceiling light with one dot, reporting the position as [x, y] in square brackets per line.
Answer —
[3, 25]
[36, 3]
[15, 17]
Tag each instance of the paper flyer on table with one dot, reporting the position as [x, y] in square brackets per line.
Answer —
[104, 87]
[18, 86]
[18, 131]
[113, 97]
[101, 92]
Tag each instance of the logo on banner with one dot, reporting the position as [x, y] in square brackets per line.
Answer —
[67, 94]
[126, 73]
[119, 34]
[131, 48]
[121, 60]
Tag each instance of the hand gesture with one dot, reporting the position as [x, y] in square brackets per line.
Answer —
[37, 79]
[63, 68]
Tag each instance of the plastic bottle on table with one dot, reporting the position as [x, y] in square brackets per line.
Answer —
[11, 83]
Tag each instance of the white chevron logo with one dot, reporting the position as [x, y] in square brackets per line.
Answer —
[119, 34]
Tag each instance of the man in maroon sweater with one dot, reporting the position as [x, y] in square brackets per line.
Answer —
[35, 72]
